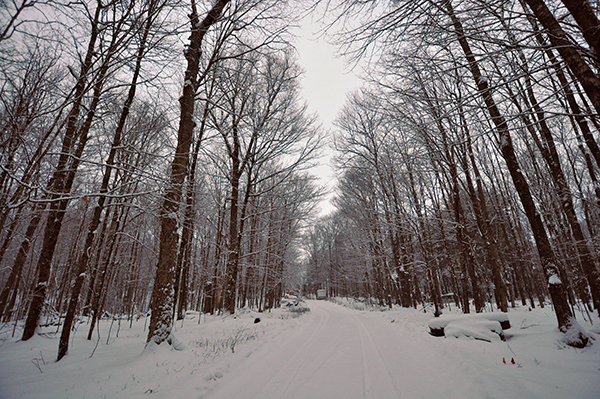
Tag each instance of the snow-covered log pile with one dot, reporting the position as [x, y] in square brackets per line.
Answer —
[483, 326]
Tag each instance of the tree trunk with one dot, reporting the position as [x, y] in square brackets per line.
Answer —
[569, 52]
[99, 208]
[488, 235]
[161, 304]
[586, 18]
[550, 154]
[59, 184]
[464, 247]
[555, 285]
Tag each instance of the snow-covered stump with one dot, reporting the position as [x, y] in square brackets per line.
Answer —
[483, 326]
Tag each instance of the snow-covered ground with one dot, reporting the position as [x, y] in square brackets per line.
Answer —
[332, 351]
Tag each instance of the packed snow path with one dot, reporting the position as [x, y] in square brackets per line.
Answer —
[345, 354]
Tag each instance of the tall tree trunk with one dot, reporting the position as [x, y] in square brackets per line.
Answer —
[161, 304]
[103, 271]
[465, 254]
[586, 18]
[483, 222]
[185, 247]
[568, 51]
[233, 245]
[60, 185]
[550, 154]
[99, 208]
[555, 285]
[17, 269]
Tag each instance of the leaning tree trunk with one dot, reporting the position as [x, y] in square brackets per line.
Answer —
[555, 286]
[586, 18]
[59, 185]
[568, 51]
[161, 304]
[550, 155]
[99, 208]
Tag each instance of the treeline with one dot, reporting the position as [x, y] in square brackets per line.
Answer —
[469, 164]
[154, 155]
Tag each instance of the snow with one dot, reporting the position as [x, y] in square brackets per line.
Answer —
[331, 351]
[483, 326]
[443, 321]
[554, 280]
[485, 330]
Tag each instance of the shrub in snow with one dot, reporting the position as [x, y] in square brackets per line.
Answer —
[576, 336]
[357, 303]
[212, 347]
[294, 305]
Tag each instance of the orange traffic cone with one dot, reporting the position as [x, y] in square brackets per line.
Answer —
[504, 360]
[512, 360]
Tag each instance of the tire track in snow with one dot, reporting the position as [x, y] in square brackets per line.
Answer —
[305, 353]
[339, 353]
[295, 362]
[365, 376]
[386, 388]
[277, 370]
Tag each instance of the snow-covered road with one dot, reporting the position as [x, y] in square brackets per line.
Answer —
[330, 352]
[340, 353]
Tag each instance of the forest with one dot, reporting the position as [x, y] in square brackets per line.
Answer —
[156, 159]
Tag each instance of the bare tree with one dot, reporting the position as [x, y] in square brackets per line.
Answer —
[569, 50]
[152, 12]
[12, 10]
[260, 122]
[163, 292]
[59, 184]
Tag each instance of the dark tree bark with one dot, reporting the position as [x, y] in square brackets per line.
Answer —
[185, 247]
[568, 51]
[550, 154]
[99, 208]
[470, 278]
[586, 18]
[60, 185]
[233, 245]
[17, 269]
[483, 221]
[103, 271]
[547, 258]
[551, 157]
[161, 304]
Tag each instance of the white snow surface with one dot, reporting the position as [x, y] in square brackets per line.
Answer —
[333, 351]
[554, 280]
[484, 326]
[444, 320]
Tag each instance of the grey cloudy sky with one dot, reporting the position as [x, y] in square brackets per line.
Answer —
[326, 82]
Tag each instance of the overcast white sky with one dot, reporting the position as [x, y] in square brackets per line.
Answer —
[326, 82]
